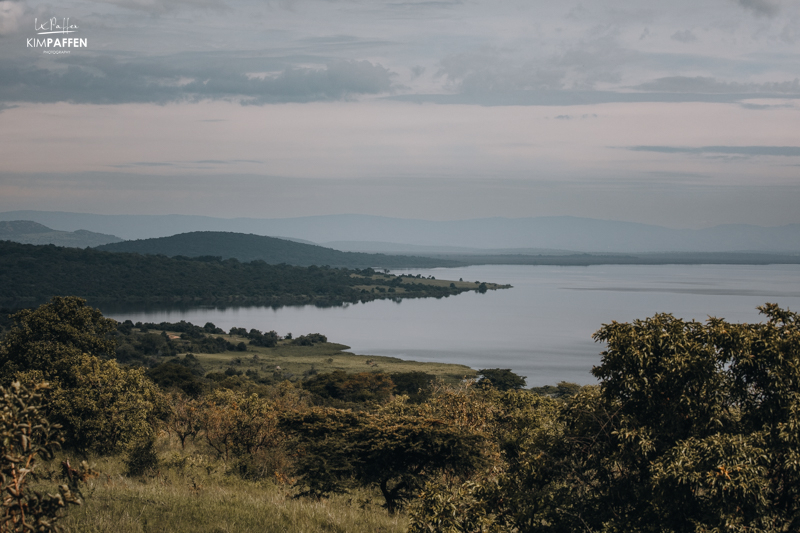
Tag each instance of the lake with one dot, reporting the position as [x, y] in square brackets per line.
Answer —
[541, 328]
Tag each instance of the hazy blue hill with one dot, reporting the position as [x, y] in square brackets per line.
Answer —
[375, 247]
[545, 233]
[30, 232]
[249, 247]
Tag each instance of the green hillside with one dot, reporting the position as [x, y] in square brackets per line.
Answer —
[32, 274]
[248, 247]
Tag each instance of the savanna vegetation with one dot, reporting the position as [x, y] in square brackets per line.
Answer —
[693, 427]
[34, 274]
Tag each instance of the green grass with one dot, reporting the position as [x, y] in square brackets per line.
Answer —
[192, 493]
[322, 357]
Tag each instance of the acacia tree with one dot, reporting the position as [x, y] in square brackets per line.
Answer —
[395, 450]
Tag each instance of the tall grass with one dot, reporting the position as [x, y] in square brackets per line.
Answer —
[189, 492]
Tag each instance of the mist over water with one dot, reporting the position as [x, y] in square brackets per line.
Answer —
[541, 328]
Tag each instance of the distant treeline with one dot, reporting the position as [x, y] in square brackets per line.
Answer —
[666, 258]
[34, 274]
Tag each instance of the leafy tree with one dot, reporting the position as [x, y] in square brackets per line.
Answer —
[693, 428]
[106, 407]
[395, 450]
[25, 436]
[502, 379]
[185, 417]
[172, 375]
[267, 340]
[100, 405]
[357, 387]
[308, 340]
[563, 390]
[237, 424]
[416, 385]
[51, 338]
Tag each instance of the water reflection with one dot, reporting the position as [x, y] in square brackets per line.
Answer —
[541, 328]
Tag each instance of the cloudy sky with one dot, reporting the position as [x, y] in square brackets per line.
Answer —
[681, 113]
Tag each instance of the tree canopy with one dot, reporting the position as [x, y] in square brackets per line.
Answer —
[101, 405]
[694, 427]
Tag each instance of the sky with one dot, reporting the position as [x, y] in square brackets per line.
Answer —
[684, 114]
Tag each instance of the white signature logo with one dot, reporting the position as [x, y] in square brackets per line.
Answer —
[55, 26]
[52, 26]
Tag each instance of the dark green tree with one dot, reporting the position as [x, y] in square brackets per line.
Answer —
[51, 338]
[356, 387]
[100, 405]
[395, 451]
[416, 385]
[694, 427]
[502, 379]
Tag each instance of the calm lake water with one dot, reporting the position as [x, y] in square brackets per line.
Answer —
[541, 328]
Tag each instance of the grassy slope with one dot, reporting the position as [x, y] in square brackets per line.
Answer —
[192, 493]
[323, 357]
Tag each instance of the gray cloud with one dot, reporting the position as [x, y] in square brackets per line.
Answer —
[709, 85]
[760, 7]
[790, 151]
[226, 161]
[579, 97]
[491, 71]
[11, 14]
[486, 71]
[104, 80]
[759, 107]
[582, 117]
[685, 36]
[160, 7]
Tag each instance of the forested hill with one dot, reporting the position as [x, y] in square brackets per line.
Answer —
[33, 274]
[29, 232]
[248, 247]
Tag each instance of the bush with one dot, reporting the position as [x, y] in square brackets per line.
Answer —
[359, 387]
[107, 407]
[416, 385]
[142, 457]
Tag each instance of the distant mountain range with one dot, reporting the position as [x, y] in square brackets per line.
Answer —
[29, 232]
[248, 247]
[543, 233]
[377, 247]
